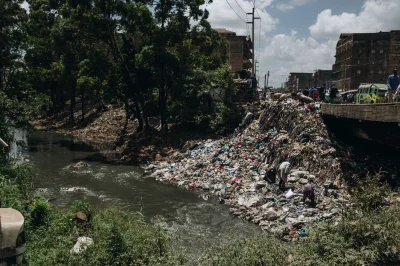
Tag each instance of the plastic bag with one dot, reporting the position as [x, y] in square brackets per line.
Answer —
[290, 194]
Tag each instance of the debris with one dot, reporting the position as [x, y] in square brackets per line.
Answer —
[241, 169]
[81, 245]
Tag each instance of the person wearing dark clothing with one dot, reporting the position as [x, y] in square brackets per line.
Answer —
[322, 91]
[392, 83]
[270, 175]
[332, 94]
[308, 193]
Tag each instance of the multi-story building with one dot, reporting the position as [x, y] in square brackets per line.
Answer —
[322, 77]
[365, 58]
[299, 81]
[240, 53]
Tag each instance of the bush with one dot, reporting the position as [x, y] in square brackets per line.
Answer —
[260, 250]
[369, 193]
[40, 212]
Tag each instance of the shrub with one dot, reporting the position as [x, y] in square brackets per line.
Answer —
[40, 212]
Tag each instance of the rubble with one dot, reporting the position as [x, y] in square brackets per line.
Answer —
[234, 168]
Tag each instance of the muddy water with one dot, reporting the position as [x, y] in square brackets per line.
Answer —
[193, 221]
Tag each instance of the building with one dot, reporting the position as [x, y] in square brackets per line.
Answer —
[299, 81]
[365, 58]
[240, 53]
[322, 77]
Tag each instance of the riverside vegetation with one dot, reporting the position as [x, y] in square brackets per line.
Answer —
[94, 53]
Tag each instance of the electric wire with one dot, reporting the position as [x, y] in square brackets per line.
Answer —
[235, 12]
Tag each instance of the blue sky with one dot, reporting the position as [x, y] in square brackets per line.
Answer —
[301, 35]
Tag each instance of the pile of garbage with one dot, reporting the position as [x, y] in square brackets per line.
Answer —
[234, 169]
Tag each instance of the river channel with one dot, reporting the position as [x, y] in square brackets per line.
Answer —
[193, 221]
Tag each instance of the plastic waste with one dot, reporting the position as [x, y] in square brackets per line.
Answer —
[290, 194]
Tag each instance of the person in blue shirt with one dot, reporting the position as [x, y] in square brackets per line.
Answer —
[392, 83]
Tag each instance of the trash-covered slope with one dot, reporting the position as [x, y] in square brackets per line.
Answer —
[233, 169]
[297, 132]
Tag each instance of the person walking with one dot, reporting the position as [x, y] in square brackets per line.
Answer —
[392, 83]
[283, 173]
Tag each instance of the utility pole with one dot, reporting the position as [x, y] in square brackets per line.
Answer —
[255, 69]
[265, 82]
[267, 79]
[252, 39]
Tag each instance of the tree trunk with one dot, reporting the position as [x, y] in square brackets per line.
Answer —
[83, 107]
[163, 110]
[73, 103]
[139, 116]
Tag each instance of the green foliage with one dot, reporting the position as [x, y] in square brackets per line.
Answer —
[97, 52]
[369, 193]
[40, 212]
[260, 250]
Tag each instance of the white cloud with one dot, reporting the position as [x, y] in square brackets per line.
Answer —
[222, 16]
[287, 53]
[375, 15]
[291, 4]
[284, 6]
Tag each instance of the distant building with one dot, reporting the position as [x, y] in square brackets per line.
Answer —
[365, 58]
[240, 53]
[299, 81]
[322, 77]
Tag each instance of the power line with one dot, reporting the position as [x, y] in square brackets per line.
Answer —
[247, 27]
[235, 12]
[240, 6]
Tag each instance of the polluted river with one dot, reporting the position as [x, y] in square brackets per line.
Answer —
[194, 222]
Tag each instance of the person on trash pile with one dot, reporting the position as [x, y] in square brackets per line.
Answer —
[315, 94]
[392, 83]
[270, 175]
[306, 92]
[308, 193]
[283, 173]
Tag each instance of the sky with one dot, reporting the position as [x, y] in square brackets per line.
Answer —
[301, 35]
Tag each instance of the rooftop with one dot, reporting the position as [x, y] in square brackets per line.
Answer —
[224, 31]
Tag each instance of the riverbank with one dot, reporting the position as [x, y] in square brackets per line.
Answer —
[108, 129]
[206, 165]
[367, 234]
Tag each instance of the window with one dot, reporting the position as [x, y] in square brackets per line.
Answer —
[358, 62]
[381, 51]
[358, 72]
[380, 71]
[359, 51]
[371, 72]
[372, 51]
